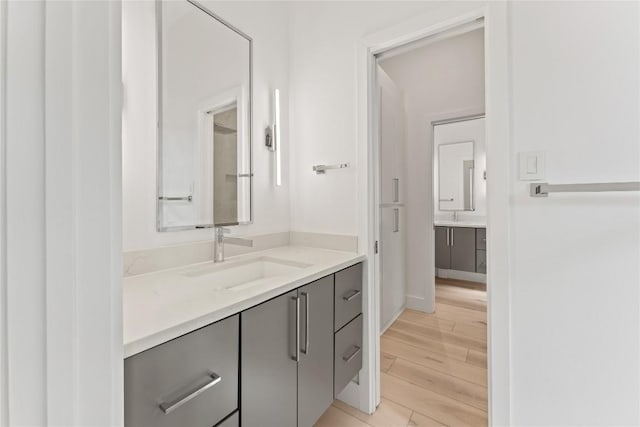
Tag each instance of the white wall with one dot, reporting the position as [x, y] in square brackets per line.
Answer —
[574, 258]
[266, 23]
[323, 105]
[575, 277]
[440, 80]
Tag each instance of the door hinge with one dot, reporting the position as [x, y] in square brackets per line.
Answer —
[375, 247]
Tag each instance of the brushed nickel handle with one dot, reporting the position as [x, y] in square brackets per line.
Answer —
[296, 356]
[168, 407]
[306, 322]
[452, 244]
[353, 354]
[448, 237]
[396, 189]
[351, 295]
[396, 220]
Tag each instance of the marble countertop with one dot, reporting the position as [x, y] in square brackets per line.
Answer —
[460, 223]
[163, 305]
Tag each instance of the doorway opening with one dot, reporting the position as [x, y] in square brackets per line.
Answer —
[432, 226]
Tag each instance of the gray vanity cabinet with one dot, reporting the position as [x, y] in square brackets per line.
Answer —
[287, 358]
[315, 367]
[463, 249]
[269, 369]
[188, 381]
[443, 251]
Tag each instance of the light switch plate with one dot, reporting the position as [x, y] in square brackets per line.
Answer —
[531, 165]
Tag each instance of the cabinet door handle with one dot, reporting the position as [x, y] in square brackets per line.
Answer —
[396, 189]
[296, 355]
[306, 322]
[452, 237]
[348, 358]
[448, 238]
[168, 407]
[351, 295]
[396, 220]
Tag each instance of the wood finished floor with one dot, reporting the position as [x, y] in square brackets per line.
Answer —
[434, 366]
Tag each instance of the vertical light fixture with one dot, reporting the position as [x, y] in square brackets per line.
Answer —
[276, 136]
[272, 136]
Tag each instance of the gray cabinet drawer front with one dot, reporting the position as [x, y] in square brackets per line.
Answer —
[232, 421]
[481, 262]
[481, 238]
[443, 250]
[348, 295]
[183, 367]
[348, 354]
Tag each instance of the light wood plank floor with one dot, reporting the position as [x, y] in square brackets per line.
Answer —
[434, 366]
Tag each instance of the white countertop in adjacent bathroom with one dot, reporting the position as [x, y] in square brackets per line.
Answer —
[461, 223]
[163, 305]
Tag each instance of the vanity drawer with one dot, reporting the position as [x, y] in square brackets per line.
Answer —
[348, 295]
[348, 354]
[481, 238]
[189, 381]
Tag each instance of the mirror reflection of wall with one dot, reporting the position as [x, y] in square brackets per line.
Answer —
[459, 168]
[455, 166]
[225, 167]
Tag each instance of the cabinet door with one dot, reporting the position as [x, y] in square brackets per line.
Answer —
[392, 141]
[443, 250]
[269, 371]
[393, 287]
[463, 249]
[315, 369]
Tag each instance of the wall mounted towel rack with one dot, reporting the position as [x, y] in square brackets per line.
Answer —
[176, 199]
[322, 168]
[542, 189]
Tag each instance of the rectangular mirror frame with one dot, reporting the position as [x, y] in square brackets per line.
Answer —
[159, 217]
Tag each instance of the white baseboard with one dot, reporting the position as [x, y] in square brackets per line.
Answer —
[418, 303]
[461, 275]
[393, 319]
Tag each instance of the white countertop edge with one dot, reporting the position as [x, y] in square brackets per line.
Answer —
[458, 224]
[145, 343]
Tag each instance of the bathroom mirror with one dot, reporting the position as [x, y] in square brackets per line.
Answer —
[456, 176]
[204, 119]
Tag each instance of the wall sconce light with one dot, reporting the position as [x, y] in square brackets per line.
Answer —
[272, 136]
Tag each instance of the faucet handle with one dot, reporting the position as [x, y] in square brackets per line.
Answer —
[220, 231]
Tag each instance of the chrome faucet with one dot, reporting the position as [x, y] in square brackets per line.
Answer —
[221, 240]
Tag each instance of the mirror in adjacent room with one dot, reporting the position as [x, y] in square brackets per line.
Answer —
[456, 176]
[204, 119]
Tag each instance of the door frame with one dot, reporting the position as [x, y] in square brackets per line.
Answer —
[497, 83]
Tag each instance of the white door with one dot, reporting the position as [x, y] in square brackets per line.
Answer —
[393, 266]
[393, 283]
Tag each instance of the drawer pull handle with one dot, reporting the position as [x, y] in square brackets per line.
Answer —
[296, 356]
[169, 407]
[351, 295]
[353, 354]
[306, 322]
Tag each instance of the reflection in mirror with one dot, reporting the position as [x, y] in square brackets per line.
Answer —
[455, 176]
[204, 115]
[225, 178]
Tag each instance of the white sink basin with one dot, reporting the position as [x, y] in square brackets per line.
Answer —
[240, 275]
